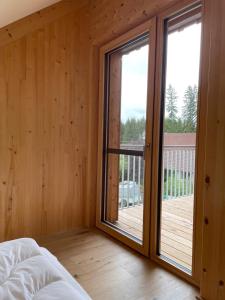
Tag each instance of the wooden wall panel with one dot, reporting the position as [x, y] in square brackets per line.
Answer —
[213, 273]
[18, 29]
[44, 128]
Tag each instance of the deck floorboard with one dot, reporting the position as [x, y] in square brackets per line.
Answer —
[176, 225]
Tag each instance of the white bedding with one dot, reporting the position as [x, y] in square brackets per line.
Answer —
[28, 271]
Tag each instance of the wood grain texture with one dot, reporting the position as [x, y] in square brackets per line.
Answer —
[213, 273]
[114, 103]
[44, 128]
[49, 121]
[26, 25]
[109, 270]
[112, 18]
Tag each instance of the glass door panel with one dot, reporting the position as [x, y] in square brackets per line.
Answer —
[178, 138]
[125, 133]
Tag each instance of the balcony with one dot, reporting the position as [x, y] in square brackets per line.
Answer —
[177, 201]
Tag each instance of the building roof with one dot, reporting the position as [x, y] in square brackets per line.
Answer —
[179, 139]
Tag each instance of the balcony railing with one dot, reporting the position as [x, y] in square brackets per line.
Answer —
[131, 187]
[178, 170]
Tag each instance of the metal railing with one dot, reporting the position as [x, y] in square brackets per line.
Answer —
[178, 171]
[131, 186]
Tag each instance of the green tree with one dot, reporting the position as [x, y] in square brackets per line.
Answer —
[171, 102]
[190, 108]
[173, 126]
[132, 130]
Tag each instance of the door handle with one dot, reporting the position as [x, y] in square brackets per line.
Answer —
[146, 148]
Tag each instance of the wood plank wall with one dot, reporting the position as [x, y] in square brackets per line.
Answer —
[44, 93]
[213, 273]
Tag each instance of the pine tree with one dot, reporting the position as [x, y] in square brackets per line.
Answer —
[190, 108]
[132, 130]
[171, 102]
[173, 126]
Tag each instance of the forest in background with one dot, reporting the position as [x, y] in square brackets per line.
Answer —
[134, 129]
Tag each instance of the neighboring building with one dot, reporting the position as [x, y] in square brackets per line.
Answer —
[178, 151]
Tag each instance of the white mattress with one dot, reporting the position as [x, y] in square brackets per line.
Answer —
[28, 271]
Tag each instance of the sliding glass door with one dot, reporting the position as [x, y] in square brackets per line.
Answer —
[178, 137]
[127, 109]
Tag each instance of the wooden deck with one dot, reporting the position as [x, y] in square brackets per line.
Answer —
[176, 224]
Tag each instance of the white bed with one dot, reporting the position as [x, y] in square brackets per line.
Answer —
[28, 271]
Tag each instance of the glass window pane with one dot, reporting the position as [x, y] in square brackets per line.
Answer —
[134, 97]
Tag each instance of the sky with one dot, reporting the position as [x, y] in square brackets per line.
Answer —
[182, 70]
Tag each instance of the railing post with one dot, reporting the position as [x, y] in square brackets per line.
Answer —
[134, 182]
[171, 174]
[167, 173]
[139, 179]
[128, 180]
[183, 163]
[179, 172]
[190, 172]
[163, 170]
[186, 177]
[175, 177]
[123, 167]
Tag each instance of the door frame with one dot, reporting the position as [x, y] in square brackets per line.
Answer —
[147, 27]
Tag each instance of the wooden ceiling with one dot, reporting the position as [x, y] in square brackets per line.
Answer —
[13, 10]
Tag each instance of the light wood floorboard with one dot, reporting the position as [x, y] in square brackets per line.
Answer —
[108, 270]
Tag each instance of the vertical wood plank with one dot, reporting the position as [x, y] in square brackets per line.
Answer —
[213, 273]
[44, 128]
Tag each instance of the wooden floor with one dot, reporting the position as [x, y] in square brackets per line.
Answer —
[176, 224]
[108, 270]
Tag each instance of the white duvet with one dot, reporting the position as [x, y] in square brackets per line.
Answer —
[28, 271]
